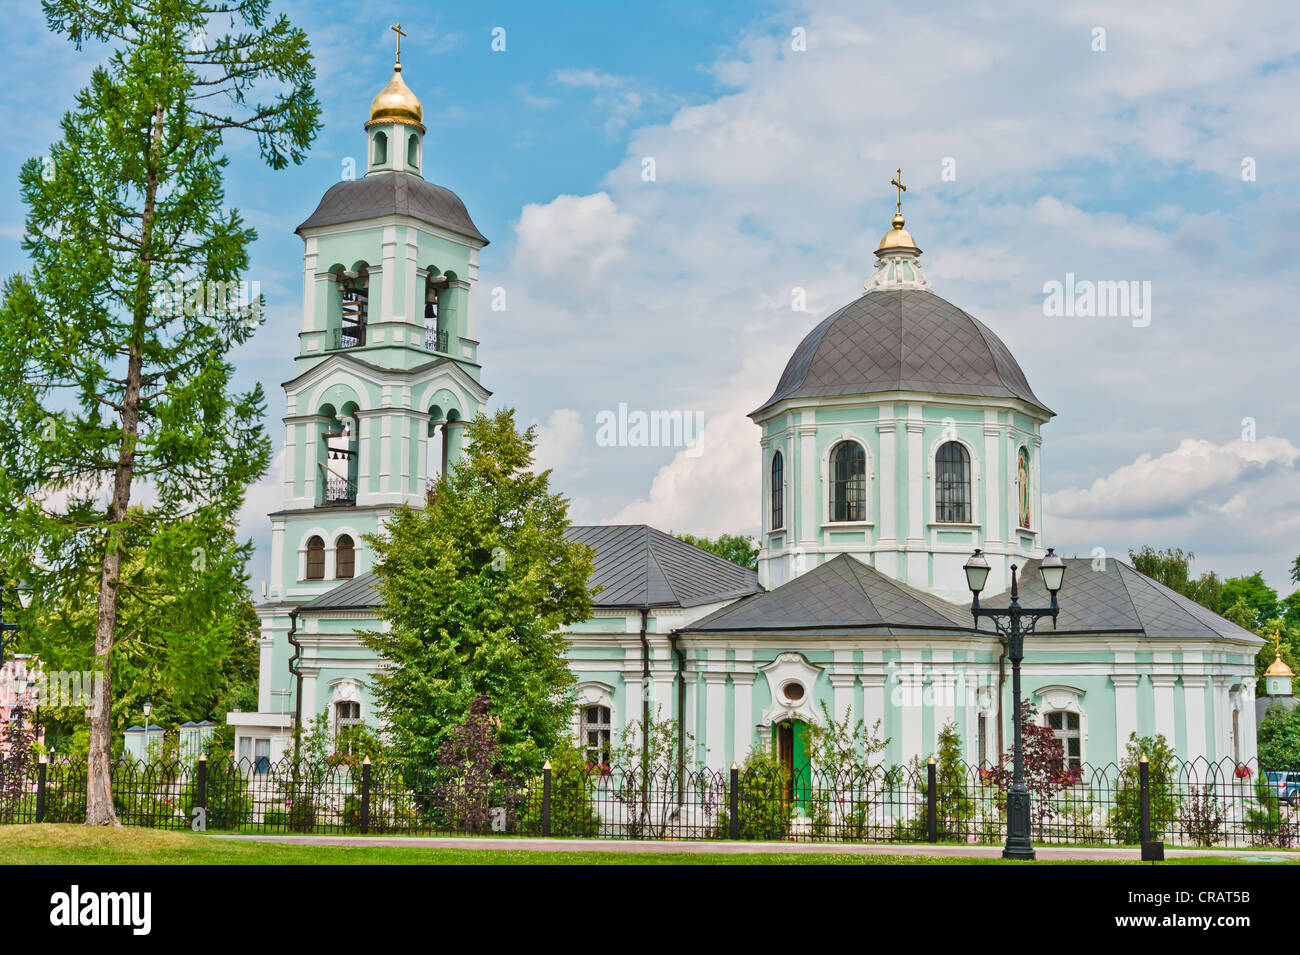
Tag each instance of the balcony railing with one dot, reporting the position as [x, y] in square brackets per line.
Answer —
[338, 489]
[348, 337]
[435, 339]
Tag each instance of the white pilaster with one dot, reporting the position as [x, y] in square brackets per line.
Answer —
[1163, 691]
[743, 681]
[715, 721]
[1125, 709]
[1194, 706]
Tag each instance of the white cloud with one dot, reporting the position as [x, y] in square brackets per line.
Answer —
[572, 240]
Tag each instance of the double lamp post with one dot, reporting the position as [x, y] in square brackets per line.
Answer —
[1014, 624]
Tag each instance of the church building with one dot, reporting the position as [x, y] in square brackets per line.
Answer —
[901, 436]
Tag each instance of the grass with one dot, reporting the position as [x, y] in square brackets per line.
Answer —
[80, 845]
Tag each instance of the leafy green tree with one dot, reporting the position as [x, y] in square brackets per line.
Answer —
[1259, 597]
[1279, 740]
[734, 547]
[113, 351]
[476, 589]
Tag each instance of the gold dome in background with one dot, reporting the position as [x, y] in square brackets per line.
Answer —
[396, 104]
[1278, 667]
[897, 237]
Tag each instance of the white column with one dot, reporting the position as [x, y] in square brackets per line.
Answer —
[809, 488]
[715, 720]
[842, 688]
[943, 683]
[1222, 719]
[916, 481]
[309, 257]
[388, 279]
[1125, 709]
[1163, 684]
[911, 711]
[744, 725]
[992, 471]
[1249, 741]
[873, 700]
[888, 501]
[691, 722]
[1194, 707]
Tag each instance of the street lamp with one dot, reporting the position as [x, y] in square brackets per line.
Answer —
[6, 628]
[1008, 623]
[148, 711]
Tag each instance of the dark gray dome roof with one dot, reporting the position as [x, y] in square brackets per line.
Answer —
[389, 193]
[902, 340]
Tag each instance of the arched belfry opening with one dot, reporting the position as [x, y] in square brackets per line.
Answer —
[436, 316]
[339, 465]
[354, 305]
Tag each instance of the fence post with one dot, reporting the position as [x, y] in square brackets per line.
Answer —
[365, 796]
[201, 783]
[40, 787]
[931, 802]
[734, 787]
[1151, 851]
[546, 798]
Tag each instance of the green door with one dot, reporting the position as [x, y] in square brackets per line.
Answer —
[790, 740]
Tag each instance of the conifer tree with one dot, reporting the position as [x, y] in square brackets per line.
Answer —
[113, 350]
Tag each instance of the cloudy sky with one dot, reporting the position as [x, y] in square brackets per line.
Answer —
[1112, 141]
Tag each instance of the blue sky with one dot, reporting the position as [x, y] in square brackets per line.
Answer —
[772, 173]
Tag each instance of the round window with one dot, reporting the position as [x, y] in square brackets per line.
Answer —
[793, 692]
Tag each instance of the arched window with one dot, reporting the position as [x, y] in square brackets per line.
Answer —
[354, 303]
[1022, 488]
[381, 148]
[848, 482]
[345, 557]
[435, 330]
[413, 152]
[778, 491]
[952, 484]
[315, 558]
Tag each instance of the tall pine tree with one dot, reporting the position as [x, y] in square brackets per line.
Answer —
[113, 351]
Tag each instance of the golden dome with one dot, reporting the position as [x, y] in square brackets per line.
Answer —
[1278, 668]
[396, 104]
[897, 237]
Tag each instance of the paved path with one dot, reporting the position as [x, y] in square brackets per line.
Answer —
[1045, 853]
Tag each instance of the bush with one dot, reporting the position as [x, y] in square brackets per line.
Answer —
[765, 806]
[1126, 816]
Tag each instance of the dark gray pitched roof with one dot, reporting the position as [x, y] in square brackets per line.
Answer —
[1116, 598]
[389, 193]
[838, 598]
[359, 593]
[902, 340]
[638, 566]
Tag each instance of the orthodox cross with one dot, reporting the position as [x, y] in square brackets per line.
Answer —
[898, 181]
[397, 28]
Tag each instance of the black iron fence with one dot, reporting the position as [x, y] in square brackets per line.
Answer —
[1195, 803]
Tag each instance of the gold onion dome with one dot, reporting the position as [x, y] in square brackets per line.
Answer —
[396, 104]
[897, 237]
[1278, 667]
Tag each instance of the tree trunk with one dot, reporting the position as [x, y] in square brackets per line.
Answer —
[99, 784]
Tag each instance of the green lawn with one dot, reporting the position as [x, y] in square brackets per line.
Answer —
[73, 845]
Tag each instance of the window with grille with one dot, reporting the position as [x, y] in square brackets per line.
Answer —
[1065, 727]
[596, 734]
[848, 482]
[315, 559]
[347, 716]
[952, 484]
[778, 491]
[345, 557]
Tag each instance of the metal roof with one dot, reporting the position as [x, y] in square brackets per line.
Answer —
[1109, 596]
[393, 193]
[636, 566]
[902, 340]
[639, 566]
[841, 597]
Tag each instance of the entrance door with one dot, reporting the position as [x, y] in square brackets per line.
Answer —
[791, 738]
